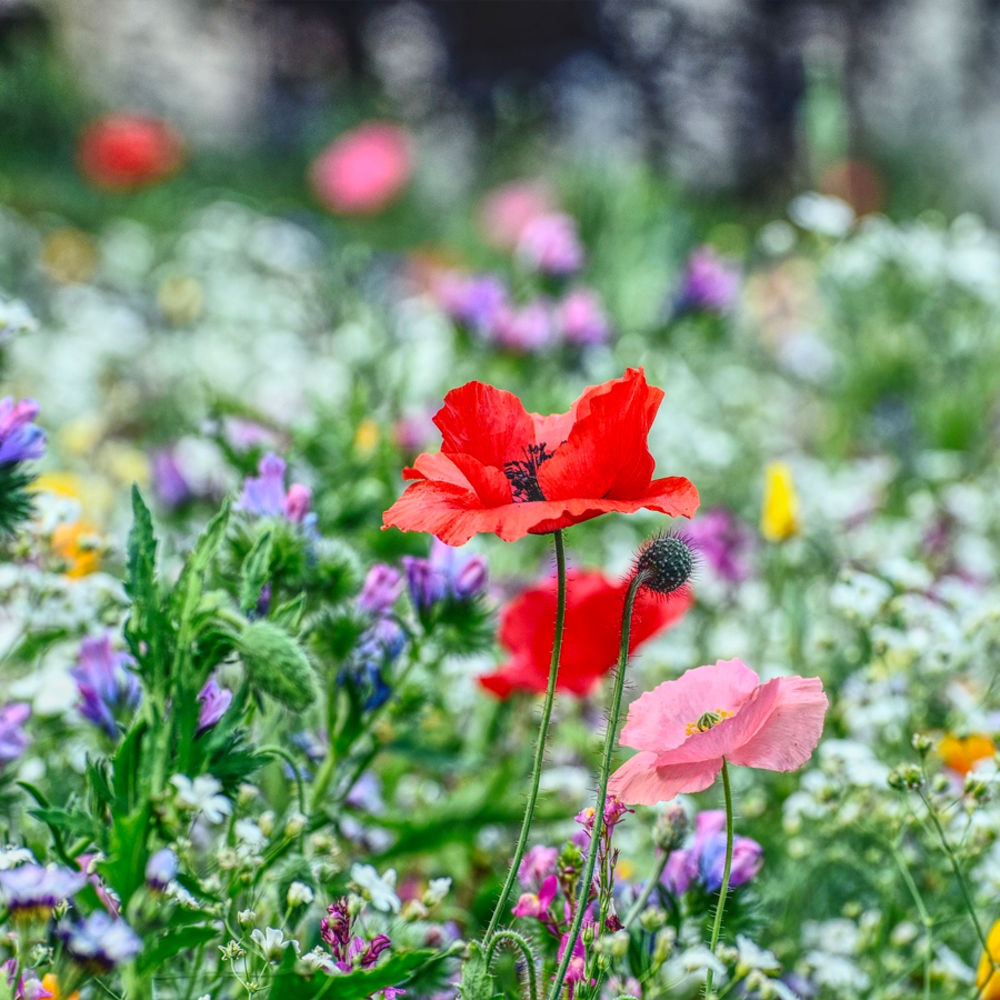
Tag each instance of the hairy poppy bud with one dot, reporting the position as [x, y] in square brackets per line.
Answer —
[665, 564]
[277, 665]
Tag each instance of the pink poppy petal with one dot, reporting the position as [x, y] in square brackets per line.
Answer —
[792, 730]
[658, 719]
[640, 782]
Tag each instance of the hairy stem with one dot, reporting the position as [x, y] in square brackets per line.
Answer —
[724, 889]
[543, 730]
[583, 892]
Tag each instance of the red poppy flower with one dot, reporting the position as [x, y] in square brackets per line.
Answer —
[504, 470]
[122, 151]
[594, 606]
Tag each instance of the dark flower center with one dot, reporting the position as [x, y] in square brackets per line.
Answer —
[523, 474]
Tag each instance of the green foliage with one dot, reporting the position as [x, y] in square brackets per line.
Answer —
[277, 665]
[16, 505]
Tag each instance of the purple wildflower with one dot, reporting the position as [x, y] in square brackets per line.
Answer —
[551, 244]
[526, 330]
[265, 494]
[20, 439]
[107, 687]
[215, 701]
[382, 586]
[475, 301]
[449, 572]
[33, 891]
[169, 482]
[723, 541]
[349, 951]
[100, 943]
[710, 283]
[581, 320]
[13, 739]
[703, 860]
[161, 869]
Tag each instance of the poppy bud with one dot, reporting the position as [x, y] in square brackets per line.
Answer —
[666, 564]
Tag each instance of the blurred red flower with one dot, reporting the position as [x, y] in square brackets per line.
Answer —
[507, 471]
[123, 151]
[365, 169]
[594, 606]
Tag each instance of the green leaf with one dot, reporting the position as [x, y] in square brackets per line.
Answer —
[477, 983]
[172, 943]
[188, 590]
[140, 575]
[256, 568]
[16, 503]
[125, 867]
[352, 986]
[126, 778]
[289, 615]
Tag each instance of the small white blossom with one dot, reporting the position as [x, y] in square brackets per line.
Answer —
[249, 832]
[318, 960]
[272, 943]
[381, 891]
[753, 957]
[11, 857]
[299, 894]
[202, 796]
[437, 889]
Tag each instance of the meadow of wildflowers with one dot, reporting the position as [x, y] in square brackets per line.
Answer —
[586, 598]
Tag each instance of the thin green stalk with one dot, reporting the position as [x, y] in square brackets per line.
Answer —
[724, 890]
[647, 889]
[543, 730]
[925, 917]
[583, 893]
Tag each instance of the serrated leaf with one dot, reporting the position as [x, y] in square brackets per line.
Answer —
[477, 983]
[256, 568]
[188, 590]
[140, 576]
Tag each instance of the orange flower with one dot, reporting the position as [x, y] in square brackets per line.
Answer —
[75, 544]
[960, 753]
[50, 981]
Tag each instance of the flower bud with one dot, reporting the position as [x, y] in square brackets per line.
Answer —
[921, 744]
[652, 918]
[906, 778]
[294, 825]
[665, 564]
[277, 665]
[663, 944]
[671, 828]
[246, 917]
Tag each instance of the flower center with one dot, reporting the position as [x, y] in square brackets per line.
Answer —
[523, 475]
[707, 721]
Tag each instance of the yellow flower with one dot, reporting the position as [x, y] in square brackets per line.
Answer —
[367, 437]
[988, 978]
[780, 514]
[78, 546]
[961, 752]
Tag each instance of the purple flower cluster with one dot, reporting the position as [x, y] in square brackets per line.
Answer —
[483, 305]
[709, 284]
[449, 573]
[33, 891]
[100, 942]
[723, 542]
[20, 439]
[107, 687]
[170, 485]
[161, 869]
[266, 496]
[350, 951]
[13, 739]
[383, 640]
[704, 860]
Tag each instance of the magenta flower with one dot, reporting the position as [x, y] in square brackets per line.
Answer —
[537, 865]
[723, 542]
[474, 301]
[215, 702]
[551, 244]
[13, 739]
[687, 727]
[526, 329]
[581, 319]
[710, 283]
[531, 905]
[508, 209]
[382, 586]
[20, 439]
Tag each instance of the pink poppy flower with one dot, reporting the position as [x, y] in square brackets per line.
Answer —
[684, 729]
[364, 170]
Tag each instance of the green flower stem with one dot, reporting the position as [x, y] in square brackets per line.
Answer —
[724, 890]
[925, 917]
[583, 893]
[519, 942]
[647, 890]
[543, 730]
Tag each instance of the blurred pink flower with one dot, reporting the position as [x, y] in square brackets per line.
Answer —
[508, 209]
[551, 244]
[364, 170]
[684, 729]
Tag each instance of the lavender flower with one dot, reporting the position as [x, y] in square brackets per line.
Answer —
[20, 439]
[474, 301]
[526, 330]
[723, 541]
[349, 951]
[265, 494]
[32, 892]
[100, 943]
[449, 573]
[709, 284]
[382, 586]
[161, 869]
[581, 320]
[13, 739]
[169, 482]
[551, 244]
[107, 687]
[215, 701]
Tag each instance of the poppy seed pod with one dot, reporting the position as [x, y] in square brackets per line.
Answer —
[665, 564]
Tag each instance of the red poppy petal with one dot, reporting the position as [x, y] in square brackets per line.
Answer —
[438, 467]
[442, 509]
[517, 675]
[490, 484]
[606, 454]
[640, 782]
[487, 423]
